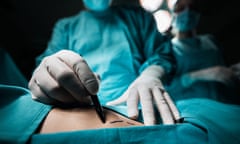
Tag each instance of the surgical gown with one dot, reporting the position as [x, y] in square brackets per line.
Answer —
[194, 54]
[117, 44]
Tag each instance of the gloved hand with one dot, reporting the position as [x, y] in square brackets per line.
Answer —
[220, 74]
[148, 90]
[63, 78]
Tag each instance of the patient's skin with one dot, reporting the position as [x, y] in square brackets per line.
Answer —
[60, 120]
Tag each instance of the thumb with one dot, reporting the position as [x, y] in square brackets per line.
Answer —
[119, 100]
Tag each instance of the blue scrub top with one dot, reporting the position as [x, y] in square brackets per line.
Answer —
[117, 44]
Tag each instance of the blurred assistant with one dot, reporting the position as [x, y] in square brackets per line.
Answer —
[201, 69]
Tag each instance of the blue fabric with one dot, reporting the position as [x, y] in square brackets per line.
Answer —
[220, 120]
[9, 72]
[194, 54]
[117, 44]
[20, 115]
[172, 134]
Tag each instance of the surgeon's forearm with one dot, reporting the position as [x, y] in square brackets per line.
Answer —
[207, 74]
[189, 78]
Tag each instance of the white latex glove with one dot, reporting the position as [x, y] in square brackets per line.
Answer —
[62, 79]
[146, 89]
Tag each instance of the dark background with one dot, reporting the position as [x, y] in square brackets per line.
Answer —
[26, 26]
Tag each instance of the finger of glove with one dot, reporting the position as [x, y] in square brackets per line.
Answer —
[132, 104]
[147, 105]
[172, 106]
[119, 100]
[162, 106]
[51, 88]
[38, 95]
[66, 78]
[81, 68]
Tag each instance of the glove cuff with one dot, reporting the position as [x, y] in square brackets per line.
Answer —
[154, 70]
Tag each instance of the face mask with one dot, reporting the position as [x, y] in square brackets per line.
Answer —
[186, 20]
[97, 5]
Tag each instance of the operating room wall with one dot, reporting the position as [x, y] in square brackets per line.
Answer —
[222, 19]
[26, 26]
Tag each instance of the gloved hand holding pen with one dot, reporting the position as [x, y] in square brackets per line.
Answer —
[62, 79]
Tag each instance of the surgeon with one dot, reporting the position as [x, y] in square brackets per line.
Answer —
[201, 70]
[118, 45]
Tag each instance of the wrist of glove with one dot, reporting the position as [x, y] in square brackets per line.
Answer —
[153, 71]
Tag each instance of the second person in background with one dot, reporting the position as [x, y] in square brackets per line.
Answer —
[201, 70]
